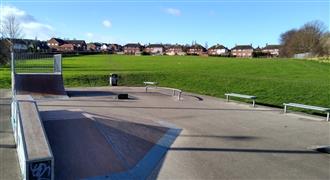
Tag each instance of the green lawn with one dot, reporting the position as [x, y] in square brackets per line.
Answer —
[274, 81]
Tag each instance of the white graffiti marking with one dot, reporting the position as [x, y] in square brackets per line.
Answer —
[39, 170]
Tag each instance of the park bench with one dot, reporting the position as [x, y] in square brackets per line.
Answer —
[303, 106]
[253, 98]
[149, 84]
[33, 150]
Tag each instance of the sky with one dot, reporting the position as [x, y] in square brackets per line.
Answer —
[207, 22]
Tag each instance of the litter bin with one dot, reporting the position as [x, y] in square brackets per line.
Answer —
[113, 79]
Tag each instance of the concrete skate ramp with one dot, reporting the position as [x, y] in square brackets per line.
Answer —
[93, 146]
[39, 84]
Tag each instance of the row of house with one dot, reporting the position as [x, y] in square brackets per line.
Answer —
[197, 49]
[24, 45]
[161, 49]
[57, 44]
[60, 45]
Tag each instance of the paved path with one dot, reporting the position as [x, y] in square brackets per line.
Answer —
[9, 168]
[218, 140]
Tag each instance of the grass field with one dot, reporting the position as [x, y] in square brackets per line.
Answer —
[274, 81]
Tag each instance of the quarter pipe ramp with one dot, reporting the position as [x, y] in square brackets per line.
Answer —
[39, 84]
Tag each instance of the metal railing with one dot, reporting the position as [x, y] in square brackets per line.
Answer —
[36, 63]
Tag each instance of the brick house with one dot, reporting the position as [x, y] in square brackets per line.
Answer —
[155, 49]
[218, 50]
[175, 50]
[272, 50]
[242, 51]
[66, 48]
[196, 49]
[94, 47]
[79, 45]
[115, 48]
[55, 43]
[133, 48]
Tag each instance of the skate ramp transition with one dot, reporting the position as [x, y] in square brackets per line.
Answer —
[37, 75]
[92, 146]
[75, 144]
[43, 84]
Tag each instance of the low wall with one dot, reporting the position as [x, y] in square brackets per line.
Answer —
[34, 153]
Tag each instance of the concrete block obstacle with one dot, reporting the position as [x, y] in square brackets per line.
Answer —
[34, 153]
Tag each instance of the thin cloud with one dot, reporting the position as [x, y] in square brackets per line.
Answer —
[173, 11]
[31, 27]
[90, 35]
[107, 23]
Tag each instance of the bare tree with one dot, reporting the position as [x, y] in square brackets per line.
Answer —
[308, 38]
[11, 28]
[4, 51]
[287, 40]
[325, 44]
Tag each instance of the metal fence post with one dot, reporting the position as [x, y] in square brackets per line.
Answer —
[58, 63]
[12, 72]
[13, 97]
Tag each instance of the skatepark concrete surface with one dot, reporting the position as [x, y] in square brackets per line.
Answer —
[95, 135]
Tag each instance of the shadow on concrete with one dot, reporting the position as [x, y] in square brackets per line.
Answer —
[234, 138]
[94, 100]
[8, 146]
[194, 96]
[6, 132]
[244, 150]
[169, 108]
[91, 145]
[73, 93]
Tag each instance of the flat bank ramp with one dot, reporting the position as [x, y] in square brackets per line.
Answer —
[88, 146]
[39, 84]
